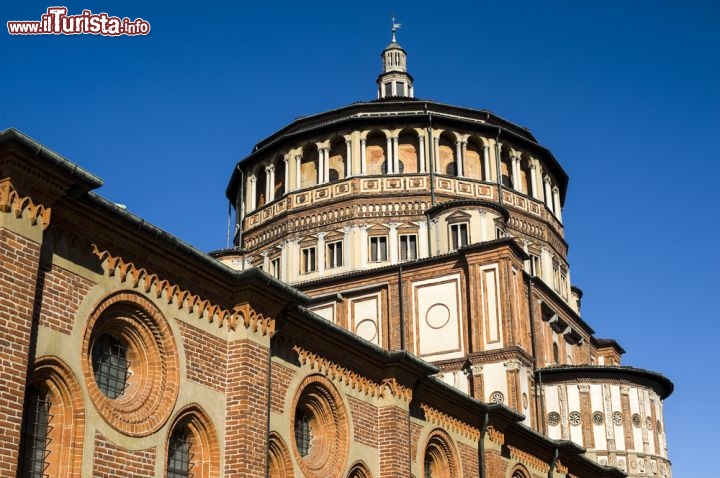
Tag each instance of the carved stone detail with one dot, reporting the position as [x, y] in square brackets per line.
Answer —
[140, 278]
[353, 380]
[496, 436]
[11, 201]
[528, 460]
[449, 423]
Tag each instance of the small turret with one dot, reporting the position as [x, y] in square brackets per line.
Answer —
[394, 80]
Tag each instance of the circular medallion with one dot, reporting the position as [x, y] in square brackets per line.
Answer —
[553, 419]
[437, 316]
[367, 329]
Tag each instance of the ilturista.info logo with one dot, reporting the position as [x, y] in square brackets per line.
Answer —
[56, 21]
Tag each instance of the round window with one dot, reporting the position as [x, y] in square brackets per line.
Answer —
[320, 428]
[130, 364]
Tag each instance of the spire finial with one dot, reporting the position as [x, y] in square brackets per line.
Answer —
[395, 27]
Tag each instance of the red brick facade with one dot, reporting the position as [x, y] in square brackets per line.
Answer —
[207, 366]
[113, 461]
[19, 262]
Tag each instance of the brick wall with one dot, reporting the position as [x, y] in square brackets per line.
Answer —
[19, 259]
[206, 357]
[62, 293]
[281, 377]
[246, 409]
[364, 417]
[394, 442]
[495, 465]
[469, 460]
[112, 461]
[415, 431]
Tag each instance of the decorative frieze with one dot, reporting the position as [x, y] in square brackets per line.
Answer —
[447, 422]
[350, 379]
[528, 460]
[139, 278]
[12, 202]
[495, 435]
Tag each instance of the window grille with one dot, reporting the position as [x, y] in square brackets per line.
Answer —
[111, 366]
[303, 433]
[180, 457]
[36, 436]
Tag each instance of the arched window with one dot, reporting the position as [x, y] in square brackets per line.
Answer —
[192, 447]
[179, 454]
[520, 472]
[279, 186]
[279, 464]
[556, 354]
[337, 162]
[53, 422]
[309, 165]
[440, 459]
[408, 148]
[260, 185]
[36, 433]
[473, 164]
[359, 470]
[375, 154]
[506, 168]
[446, 155]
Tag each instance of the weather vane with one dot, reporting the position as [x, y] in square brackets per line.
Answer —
[395, 27]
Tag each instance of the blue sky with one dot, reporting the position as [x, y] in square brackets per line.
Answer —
[625, 93]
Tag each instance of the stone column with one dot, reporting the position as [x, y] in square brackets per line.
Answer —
[298, 171]
[322, 165]
[396, 155]
[556, 203]
[486, 163]
[421, 153]
[516, 173]
[253, 192]
[363, 160]
[459, 147]
[436, 153]
[286, 162]
[389, 169]
[348, 158]
[533, 178]
[320, 252]
[393, 242]
[548, 193]
[270, 183]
